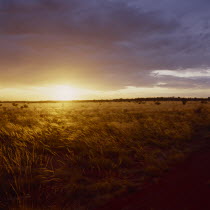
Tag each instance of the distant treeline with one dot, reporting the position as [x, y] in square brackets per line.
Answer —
[147, 99]
[119, 100]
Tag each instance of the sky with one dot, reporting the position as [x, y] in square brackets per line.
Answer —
[104, 49]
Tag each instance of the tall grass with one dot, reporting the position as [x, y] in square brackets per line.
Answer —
[77, 156]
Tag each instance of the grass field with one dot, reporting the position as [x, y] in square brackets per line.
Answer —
[80, 155]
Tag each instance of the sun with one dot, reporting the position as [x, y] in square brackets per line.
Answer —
[65, 92]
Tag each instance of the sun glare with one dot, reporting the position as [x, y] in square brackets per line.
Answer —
[65, 92]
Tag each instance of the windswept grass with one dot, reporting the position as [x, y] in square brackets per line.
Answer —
[79, 155]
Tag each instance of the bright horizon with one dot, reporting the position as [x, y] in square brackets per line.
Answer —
[67, 92]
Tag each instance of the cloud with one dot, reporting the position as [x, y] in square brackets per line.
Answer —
[103, 44]
[188, 73]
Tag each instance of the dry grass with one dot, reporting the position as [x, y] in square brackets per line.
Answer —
[79, 155]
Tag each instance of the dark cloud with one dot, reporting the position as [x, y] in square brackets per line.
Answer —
[110, 44]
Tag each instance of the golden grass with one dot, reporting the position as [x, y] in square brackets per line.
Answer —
[79, 155]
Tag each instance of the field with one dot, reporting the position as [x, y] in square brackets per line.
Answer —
[80, 155]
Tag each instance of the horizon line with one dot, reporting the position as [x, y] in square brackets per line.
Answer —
[172, 98]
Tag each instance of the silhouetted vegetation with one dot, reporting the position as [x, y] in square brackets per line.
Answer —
[24, 106]
[139, 100]
[184, 102]
[14, 104]
[157, 103]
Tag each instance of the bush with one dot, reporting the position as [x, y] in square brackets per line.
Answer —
[184, 102]
[157, 103]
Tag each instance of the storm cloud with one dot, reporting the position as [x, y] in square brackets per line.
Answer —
[111, 44]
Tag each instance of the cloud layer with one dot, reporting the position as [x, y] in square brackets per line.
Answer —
[104, 44]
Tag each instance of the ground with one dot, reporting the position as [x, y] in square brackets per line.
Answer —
[81, 156]
[185, 187]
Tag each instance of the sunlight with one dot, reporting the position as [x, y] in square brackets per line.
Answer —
[65, 92]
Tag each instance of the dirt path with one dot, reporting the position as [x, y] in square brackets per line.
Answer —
[186, 187]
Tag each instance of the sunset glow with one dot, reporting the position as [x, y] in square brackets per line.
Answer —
[65, 92]
[97, 49]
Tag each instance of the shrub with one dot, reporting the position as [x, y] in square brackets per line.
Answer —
[184, 102]
[25, 106]
[157, 103]
[204, 102]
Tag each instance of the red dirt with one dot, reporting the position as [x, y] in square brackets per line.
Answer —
[186, 187]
